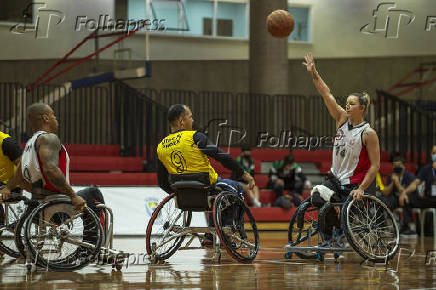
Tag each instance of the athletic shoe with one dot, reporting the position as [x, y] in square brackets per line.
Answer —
[207, 240]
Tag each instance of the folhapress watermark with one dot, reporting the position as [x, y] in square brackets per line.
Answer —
[44, 20]
[231, 136]
[287, 140]
[387, 19]
[105, 23]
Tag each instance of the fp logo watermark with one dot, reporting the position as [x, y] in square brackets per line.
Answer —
[44, 19]
[387, 20]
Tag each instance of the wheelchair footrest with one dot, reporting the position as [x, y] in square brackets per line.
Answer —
[289, 248]
[200, 230]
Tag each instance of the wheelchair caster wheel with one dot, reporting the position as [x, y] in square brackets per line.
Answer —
[288, 255]
[337, 255]
[320, 256]
[217, 257]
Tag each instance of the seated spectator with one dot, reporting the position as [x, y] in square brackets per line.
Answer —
[427, 199]
[397, 182]
[247, 162]
[287, 177]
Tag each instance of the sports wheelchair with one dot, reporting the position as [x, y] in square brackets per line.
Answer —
[50, 233]
[367, 227]
[169, 227]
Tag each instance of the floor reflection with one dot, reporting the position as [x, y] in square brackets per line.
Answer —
[196, 269]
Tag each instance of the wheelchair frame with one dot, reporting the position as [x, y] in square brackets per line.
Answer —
[105, 251]
[194, 196]
[336, 244]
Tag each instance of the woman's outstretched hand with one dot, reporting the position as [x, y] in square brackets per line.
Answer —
[309, 63]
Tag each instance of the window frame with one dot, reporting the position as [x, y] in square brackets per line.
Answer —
[292, 3]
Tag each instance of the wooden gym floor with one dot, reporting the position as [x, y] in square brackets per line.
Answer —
[195, 269]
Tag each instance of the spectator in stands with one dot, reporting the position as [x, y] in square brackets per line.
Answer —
[247, 162]
[288, 177]
[279, 163]
[426, 199]
[397, 182]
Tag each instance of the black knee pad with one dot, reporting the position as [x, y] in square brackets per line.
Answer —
[317, 200]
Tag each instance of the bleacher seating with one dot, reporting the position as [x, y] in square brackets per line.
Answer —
[113, 179]
[105, 163]
[92, 150]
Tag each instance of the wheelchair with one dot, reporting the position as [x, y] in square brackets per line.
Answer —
[367, 227]
[51, 234]
[169, 230]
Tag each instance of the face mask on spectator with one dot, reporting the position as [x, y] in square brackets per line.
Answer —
[433, 157]
[398, 170]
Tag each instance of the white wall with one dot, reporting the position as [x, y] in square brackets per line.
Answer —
[61, 38]
[337, 23]
[335, 33]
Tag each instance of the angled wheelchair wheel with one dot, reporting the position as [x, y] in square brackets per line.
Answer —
[163, 236]
[370, 228]
[303, 229]
[10, 216]
[20, 228]
[60, 238]
[236, 227]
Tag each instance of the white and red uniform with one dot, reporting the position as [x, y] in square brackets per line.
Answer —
[350, 157]
[32, 168]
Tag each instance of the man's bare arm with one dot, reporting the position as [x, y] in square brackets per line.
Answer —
[412, 186]
[48, 147]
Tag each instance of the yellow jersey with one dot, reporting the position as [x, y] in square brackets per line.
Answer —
[7, 167]
[180, 155]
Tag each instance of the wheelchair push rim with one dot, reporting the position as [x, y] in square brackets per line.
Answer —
[240, 241]
[62, 238]
[370, 228]
[165, 228]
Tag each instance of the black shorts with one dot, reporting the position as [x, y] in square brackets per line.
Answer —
[343, 191]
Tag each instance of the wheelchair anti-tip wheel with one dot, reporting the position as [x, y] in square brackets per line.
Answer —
[10, 215]
[60, 238]
[370, 228]
[240, 240]
[20, 228]
[304, 229]
[163, 230]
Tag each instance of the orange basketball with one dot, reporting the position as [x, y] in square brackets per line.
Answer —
[280, 23]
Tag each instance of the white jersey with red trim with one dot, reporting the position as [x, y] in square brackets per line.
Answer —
[350, 158]
[31, 165]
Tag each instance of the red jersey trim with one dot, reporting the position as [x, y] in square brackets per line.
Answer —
[361, 168]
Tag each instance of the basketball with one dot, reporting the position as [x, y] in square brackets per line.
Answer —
[280, 23]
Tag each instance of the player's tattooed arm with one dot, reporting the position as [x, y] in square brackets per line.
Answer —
[48, 148]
